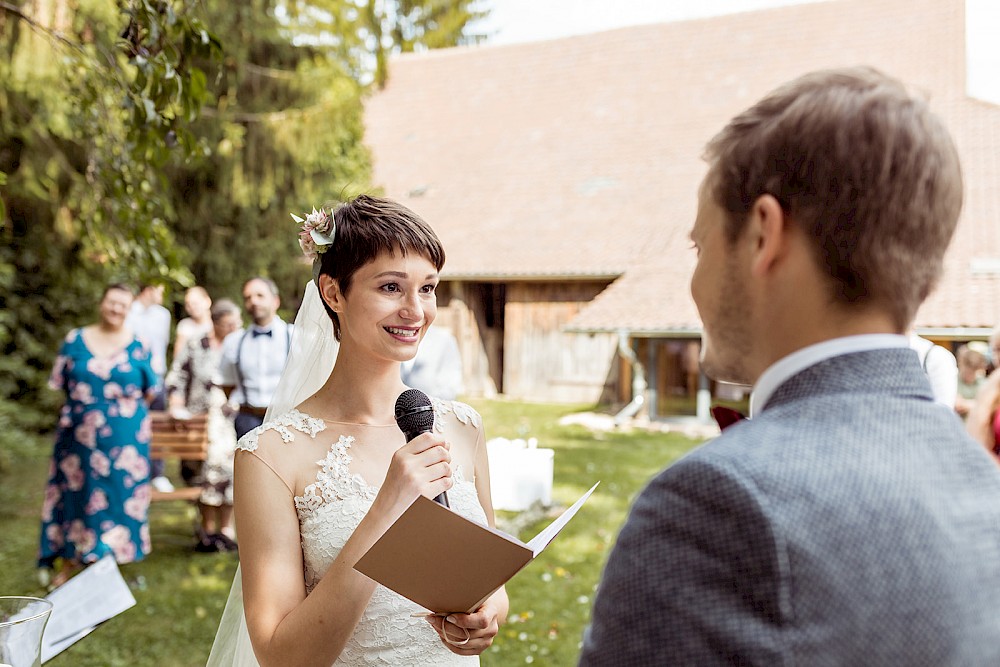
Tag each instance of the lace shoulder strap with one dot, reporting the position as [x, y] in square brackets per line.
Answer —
[445, 410]
[282, 424]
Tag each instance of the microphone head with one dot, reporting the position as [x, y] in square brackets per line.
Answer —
[414, 412]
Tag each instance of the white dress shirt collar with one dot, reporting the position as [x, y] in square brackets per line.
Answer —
[260, 360]
[796, 362]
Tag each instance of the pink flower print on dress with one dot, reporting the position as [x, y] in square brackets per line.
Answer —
[137, 506]
[147, 544]
[124, 365]
[82, 392]
[85, 539]
[119, 539]
[98, 501]
[145, 431]
[132, 462]
[101, 367]
[86, 435]
[56, 379]
[70, 467]
[86, 432]
[52, 496]
[54, 534]
[127, 407]
[100, 464]
[112, 391]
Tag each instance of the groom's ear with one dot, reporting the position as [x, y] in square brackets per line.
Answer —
[330, 292]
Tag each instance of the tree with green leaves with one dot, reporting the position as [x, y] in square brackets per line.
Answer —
[87, 120]
[170, 140]
[364, 34]
[285, 127]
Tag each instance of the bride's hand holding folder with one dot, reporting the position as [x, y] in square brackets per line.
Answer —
[471, 634]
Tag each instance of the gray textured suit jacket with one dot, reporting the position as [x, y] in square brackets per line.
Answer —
[852, 522]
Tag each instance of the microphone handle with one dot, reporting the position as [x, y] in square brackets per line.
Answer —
[441, 498]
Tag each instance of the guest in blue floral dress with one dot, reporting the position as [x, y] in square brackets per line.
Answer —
[97, 497]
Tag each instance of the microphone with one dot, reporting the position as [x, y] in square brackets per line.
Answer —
[415, 415]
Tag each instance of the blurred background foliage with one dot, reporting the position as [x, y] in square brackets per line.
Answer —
[167, 141]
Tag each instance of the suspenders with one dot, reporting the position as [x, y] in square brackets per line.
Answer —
[239, 357]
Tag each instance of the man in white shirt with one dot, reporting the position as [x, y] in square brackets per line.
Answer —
[253, 358]
[150, 322]
[851, 520]
[941, 367]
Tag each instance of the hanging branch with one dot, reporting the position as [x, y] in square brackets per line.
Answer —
[38, 27]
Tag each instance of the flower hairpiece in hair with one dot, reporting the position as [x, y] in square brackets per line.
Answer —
[318, 230]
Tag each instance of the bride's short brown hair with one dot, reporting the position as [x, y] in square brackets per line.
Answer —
[368, 226]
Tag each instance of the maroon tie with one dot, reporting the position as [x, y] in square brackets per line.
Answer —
[726, 417]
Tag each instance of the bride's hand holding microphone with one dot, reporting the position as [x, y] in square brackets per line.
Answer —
[421, 467]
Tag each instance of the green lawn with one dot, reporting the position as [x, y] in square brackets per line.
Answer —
[180, 594]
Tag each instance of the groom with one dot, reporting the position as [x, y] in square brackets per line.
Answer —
[850, 521]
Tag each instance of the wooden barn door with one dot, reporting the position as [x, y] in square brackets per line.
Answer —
[488, 306]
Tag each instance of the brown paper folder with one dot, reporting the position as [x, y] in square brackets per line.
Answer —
[447, 563]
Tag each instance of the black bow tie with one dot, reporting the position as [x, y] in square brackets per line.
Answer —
[257, 332]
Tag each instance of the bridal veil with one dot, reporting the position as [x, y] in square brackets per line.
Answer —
[310, 361]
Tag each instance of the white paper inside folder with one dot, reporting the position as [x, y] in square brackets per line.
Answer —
[520, 473]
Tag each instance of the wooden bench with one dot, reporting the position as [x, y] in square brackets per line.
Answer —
[178, 439]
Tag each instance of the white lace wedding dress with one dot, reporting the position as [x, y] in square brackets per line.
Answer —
[332, 507]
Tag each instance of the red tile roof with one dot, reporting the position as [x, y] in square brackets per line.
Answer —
[580, 157]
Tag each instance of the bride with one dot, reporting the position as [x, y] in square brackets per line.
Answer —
[329, 471]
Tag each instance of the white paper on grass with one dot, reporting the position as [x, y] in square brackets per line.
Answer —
[93, 596]
[542, 539]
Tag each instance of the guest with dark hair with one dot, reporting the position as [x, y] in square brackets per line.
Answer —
[97, 497]
[192, 391]
[252, 358]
